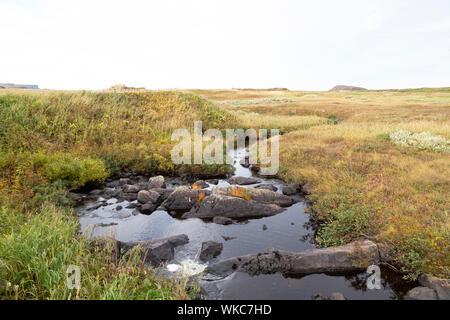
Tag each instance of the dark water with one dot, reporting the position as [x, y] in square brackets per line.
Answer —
[290, 230]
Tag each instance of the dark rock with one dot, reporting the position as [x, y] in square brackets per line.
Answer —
[163, 193]
[243, 180]
[267, 187]
[127, 196]
[94, 207]
[245, 162]
[113, 184]
[147, 208]
[441, 286]
[337, 296]
[231, 207]
[200, 184]
[210, 250]
[133, 206]
[291, 189]
[118, 208]
[222, 220]
[213, 181]
[183, 199]
[264, 227]
[258, 195]
[131, 188]
[156, 182]
[351, 257]
[145, 196]
[157, 251]
[421, 293]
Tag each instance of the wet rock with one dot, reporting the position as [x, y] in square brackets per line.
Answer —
[118, 208]
[183, 199]
[421, 293]
[96, 192]
[227, 238]
[231, 207]
[258, 195]
[156, 182]
[113, 184]
[163, 193]
[267, 187]
[200, 184]
[354, 256]
[124, 181]
[291, 189]
[112, 192]
[243, 180]
[441, 286]
[337, 296]
[94, 207]
[264, 227]
[131, 188]
[210, 250]
[135, 212]
[147, 208]
[245, 162]
[307, 188]
[222, 220]
[133, 206]
[157, 251]
[145, 196]
[106, 224]
[121, 215]
[213, 181]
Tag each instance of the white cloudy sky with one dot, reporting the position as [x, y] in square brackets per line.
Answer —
[313, 45]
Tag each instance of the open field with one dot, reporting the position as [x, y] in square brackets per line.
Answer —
[371, 176]
[366, 182]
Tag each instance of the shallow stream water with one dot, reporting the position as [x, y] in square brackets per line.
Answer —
[290, 230]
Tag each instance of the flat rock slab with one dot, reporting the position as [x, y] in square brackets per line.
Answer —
[231, 207]
[257, 194]
[210, 250]
[354, 256]
[183, 199]
[243, 180]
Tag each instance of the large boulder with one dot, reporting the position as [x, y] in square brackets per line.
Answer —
[183, 199]
[243, 180]
[441, 286]
[421, 293]
[231, 207]
[156, 251]
[156, 182]
[354, 256]
[145, 196]
[256, 194]
[210, 250]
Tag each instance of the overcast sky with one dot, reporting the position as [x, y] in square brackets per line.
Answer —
[310, 45]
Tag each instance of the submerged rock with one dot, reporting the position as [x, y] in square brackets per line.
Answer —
[231, 207]
[354, 256]
[222, 220]
[156, 182]
[148, 208]
[210, 250]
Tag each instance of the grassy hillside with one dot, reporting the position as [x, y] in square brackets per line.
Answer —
[375, 171]
[51, 141]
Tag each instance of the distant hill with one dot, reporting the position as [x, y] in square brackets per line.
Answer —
[347, 88]
[19, 86]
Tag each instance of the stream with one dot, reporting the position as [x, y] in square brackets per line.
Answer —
[290, 230]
